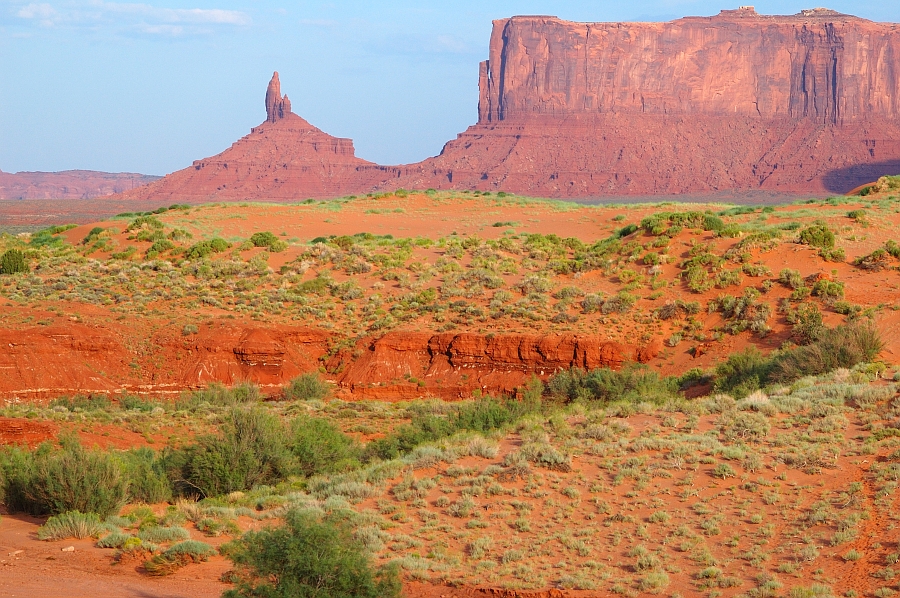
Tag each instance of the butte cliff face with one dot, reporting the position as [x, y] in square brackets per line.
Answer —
[803, 103]
[808, 103]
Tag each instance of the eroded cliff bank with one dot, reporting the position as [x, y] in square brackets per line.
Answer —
[48, 361]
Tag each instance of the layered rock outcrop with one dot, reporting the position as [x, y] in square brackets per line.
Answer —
[49, 361]
[68, 184]
[808, 103]
[405, 365]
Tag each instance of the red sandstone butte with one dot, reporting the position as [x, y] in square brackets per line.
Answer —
[808, 103]
[68, 184]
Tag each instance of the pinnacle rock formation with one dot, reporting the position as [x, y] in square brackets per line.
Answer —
[284, 158]
[277, 107]
[807, 103]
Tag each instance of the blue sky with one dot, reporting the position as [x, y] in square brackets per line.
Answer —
[149, 87]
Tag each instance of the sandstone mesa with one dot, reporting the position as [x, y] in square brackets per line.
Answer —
[68, 184]
[808, 103]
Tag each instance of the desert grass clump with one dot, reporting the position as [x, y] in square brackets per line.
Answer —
[163, 535]
[115, 539]
[221, 395]
[71, 525]
[178, 556]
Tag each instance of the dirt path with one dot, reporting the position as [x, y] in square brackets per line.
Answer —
[35, 569]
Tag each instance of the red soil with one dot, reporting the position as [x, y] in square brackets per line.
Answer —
[33, 568]
[86, 348]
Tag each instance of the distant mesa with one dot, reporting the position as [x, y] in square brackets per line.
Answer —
[68, 184]
[806, 103]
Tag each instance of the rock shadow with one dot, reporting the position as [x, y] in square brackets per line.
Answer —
[842, 180]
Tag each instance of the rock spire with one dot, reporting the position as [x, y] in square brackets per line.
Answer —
[277, 107]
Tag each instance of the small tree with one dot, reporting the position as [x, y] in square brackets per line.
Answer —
[251, 450]
[310, 556]
[55, 480]
[12, 262]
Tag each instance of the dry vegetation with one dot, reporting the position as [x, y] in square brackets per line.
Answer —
[777, 477]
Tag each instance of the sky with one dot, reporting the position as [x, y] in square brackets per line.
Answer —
[150, 87]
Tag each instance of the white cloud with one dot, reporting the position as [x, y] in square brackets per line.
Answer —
[44, 14]
[175, 15]
[128, 16]
[37, 11]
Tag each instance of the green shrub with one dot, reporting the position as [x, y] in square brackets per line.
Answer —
[742, 373]
[308, 556]
[835, 254]
[817, 235]
[893, 248]
[54, 480]
[631, 383]
[307, 387]
[93, 235]
[830, 290]
[843, 347]
[621, 303]
[627, 230]
[808, 325]
[71, 525]
[147, 480]
[221, 395]
[205, 248]
[178, 556]
[320, 447]
[268, 240]
[251, 450]
[875, 261]
[791, 278]
[482, 415]
[13, 262]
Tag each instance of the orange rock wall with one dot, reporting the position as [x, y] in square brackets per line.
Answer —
[403, 365]
[46, 362]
